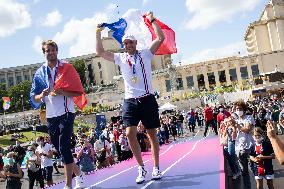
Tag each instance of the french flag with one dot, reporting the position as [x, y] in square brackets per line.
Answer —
[134, 23]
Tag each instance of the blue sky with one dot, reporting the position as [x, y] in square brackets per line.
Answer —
[205, 29]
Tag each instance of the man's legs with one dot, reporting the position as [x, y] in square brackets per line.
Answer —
[154, 146]
[131, 133]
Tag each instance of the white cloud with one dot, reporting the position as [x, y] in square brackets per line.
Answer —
[52, 19]
[80, 35]
[145, 2]
[37, 44]
[205, 13]
[212, 54]
[13, 16]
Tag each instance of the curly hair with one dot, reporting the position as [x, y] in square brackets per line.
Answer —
[48, 42]
[242, 104]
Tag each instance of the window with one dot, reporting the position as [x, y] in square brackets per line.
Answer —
[2, 80]
[27, 77]
[101, 74]
[168, 85]
[244, 72]
[99, 65]
[11, 81]
[18, 79]
[179, 84]
[211, 78]
[189, 82]
[222, 76]
[200, 80]
[233, 74]
[255, 70]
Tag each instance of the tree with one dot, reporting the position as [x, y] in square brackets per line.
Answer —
[15, 93]
[80, 67]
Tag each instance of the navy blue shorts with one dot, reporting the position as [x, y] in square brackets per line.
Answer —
[47, 173]
[60, 130]
[144, 109]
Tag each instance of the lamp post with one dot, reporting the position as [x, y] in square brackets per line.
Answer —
[23, 108]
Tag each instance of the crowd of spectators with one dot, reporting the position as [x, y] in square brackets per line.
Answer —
[239, 126]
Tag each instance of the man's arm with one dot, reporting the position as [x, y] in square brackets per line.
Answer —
[99, 46]
[277, 144]
[159, 33]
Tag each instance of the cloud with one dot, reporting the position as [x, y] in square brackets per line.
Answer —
[37, 44]
[206, 13]
[13, 16]
[145, 2]
[52, 19]
[80, 35]
[212, 54]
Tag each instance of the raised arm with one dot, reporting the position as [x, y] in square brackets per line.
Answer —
[159, 33]
[99, 46]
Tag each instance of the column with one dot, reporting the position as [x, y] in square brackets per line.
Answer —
[228, 78]
[249, 68]
[216, 75]
[206, 78]
[238, 72]
[30, 74]
[195, 82]
[183, 77]
[22, 75]
[6, 80]
[14, 77]
[280, 29]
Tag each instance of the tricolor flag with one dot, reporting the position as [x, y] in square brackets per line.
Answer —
[67, 79]
[135, 24]
[6, 103]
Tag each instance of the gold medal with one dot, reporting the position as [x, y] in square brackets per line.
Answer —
[134, 79]
[53, 93]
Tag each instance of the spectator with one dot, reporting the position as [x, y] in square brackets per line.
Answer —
[34, 171]
[102, 151]
[13, 172]
[261, 156]
[44, 151]
[85, 155]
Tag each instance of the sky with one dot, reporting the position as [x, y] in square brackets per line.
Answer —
[205, 29]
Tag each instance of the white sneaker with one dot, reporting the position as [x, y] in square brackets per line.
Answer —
[79, 182]
[156, 174]
[67, 187]
[141, 175]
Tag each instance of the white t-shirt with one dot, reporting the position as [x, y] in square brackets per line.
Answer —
[99, 145]
[143, 70]
[244, 140]
[45, 161]
[55, 105]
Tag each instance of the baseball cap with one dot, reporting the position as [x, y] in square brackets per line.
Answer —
[129, 37]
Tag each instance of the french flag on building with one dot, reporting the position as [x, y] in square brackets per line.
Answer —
[134, 23]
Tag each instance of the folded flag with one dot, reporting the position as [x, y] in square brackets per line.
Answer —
[169, 45]
[67, 79]
[118, 29]
[6, 103]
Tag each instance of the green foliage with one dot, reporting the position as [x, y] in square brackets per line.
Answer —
[15, 93]
[80, 67]
[29, 136]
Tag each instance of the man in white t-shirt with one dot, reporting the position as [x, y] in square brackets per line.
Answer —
[44, 151]
[139, 103]
[60, 111]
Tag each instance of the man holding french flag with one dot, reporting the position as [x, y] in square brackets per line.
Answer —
[139, 103]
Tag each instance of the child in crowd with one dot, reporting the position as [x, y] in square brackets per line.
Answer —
[261, 159]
